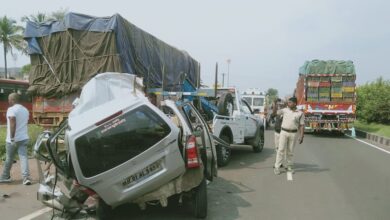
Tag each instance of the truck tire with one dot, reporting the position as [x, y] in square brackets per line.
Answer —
[103, 211]
[225, 104]
[258, 140]
[200, 200]
[223, 152]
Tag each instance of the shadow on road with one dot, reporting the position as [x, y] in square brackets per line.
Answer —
[223, 204]
[243, 156]
[312, 168]
[332, 134]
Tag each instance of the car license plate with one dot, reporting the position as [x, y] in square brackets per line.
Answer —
[143, 174]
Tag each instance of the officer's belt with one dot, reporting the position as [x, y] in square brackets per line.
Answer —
[290, 131]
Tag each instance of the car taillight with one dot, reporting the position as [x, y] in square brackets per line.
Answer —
[192, 153]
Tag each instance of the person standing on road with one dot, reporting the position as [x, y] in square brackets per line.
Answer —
[293, 121]
[17, 139]
[278, 122]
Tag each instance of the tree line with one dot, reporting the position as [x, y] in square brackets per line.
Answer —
[11, 34]
[373, 101]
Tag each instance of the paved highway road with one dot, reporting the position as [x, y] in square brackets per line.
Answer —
[336, 178]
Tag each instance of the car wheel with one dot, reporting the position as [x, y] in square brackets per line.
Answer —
[200, 200]
[225, 105]
[103, 211]
[258, 141]
[223, 152]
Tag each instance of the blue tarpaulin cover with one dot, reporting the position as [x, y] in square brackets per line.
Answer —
[66, 54]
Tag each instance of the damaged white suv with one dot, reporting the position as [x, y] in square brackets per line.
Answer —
[116, 148]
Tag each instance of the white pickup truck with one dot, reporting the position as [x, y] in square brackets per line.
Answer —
[230, 118]
[236, 124]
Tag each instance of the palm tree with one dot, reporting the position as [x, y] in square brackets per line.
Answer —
[40, 17]
[59, 15]
[11, 37]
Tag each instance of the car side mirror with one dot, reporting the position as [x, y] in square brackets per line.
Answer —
[256, 111]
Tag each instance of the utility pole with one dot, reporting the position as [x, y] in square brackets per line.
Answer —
[228, 73]
[216, 80]
[223, 80]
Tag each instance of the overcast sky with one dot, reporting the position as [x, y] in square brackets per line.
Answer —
[266, 41]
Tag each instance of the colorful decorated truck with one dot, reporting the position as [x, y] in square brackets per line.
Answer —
[326, 94]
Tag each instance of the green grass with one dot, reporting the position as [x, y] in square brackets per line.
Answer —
[378, 129]
[33, 132]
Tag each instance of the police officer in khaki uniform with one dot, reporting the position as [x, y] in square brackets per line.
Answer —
[293, 121]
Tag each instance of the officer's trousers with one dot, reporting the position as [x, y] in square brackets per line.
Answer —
[287, 142]
[277, 136]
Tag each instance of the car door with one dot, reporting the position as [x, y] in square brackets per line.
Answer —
[200, 125]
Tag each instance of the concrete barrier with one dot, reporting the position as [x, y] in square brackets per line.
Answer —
[373, 137]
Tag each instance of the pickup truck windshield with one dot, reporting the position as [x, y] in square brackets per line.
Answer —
[258, 101]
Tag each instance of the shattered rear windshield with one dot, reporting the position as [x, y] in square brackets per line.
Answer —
[119, 140]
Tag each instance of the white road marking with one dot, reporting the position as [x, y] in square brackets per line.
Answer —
[289, 176]
[371, 145]
[36, 214]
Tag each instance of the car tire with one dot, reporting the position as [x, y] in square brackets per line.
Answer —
[103, 211]
[200, 200]
[224, 102]
[223, 152]
[258, 140]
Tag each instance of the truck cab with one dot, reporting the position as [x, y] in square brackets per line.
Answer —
[257, 100]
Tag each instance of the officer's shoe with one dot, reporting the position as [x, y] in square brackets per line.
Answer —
[26, 181]
[277, 171]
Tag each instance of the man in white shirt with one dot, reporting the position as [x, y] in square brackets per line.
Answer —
[293, 121]
[17, 139]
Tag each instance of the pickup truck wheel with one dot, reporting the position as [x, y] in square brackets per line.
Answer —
[258, 141]
[225, 105]
[223, 152]
[103, 211]
[200, 200]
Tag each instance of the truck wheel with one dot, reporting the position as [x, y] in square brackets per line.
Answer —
[223, 152]
[225, 104]
[258, 141]
[103, 211]
[200, 200]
